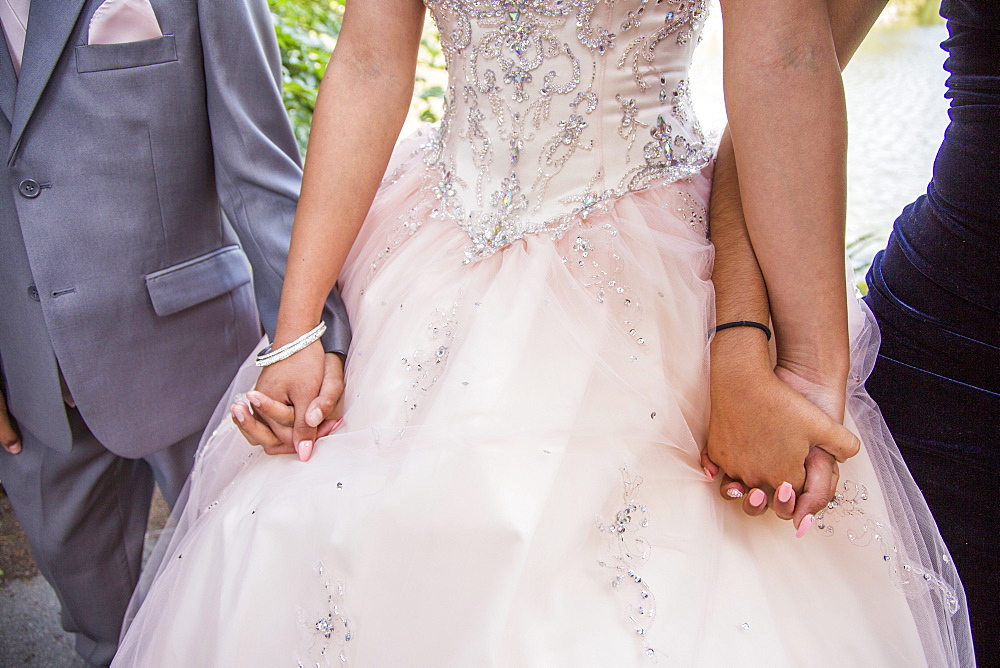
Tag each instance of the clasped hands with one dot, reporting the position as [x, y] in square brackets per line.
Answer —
[776, 438]
[295, 402]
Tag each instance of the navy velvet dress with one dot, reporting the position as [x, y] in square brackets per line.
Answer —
[935, 291]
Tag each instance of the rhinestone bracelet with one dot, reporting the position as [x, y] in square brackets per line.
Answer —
[267, 357]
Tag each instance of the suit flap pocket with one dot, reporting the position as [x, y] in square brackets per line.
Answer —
[100, 57]
[183, 285]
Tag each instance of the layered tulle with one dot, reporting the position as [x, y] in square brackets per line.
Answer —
[517, 480]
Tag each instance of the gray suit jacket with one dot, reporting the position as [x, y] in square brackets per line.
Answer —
[116, 263]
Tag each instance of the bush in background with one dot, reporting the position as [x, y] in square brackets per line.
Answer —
[307, 32]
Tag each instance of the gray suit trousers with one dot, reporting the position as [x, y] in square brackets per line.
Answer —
[85, 513]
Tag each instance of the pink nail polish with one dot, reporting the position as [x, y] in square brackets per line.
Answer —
[804, 526]
[237, 411]
[314, 417]
[757, 498]
[254, 398]
[305, 450]
[785, 492]
[708, 474]
[336, 425]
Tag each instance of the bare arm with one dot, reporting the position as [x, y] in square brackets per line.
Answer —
[739, 356]
[785, 101]
[362, 104]
[740, 290]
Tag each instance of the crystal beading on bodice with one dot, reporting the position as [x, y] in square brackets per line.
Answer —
[556, 107]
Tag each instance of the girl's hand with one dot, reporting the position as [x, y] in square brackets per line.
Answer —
[294, 403]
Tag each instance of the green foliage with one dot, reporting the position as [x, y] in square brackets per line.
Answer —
[919, 12]
[307, 31]
[429, 93]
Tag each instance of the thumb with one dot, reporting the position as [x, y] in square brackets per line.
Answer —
[821, 480]
[838, 440]
[9, 439]
[322, 407]
[303, 435]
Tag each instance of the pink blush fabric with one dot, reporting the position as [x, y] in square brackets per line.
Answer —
[120, 21]
[14, 18]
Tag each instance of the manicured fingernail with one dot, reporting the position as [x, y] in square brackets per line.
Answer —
[237, 410]
[305, 450]
[254, 398]
[785, 492]
[734, 493]
[336, 425]
[708, 474]
[804, 525]
[757, 498]
[15, 448]
[314, 417]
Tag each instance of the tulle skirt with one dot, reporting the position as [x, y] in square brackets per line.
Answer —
[517, 480]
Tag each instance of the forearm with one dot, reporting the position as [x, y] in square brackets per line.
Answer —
[740, 292]
[788, 120]
[360, 110]
[740, 288]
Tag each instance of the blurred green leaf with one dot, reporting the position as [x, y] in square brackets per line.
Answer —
[307, 31]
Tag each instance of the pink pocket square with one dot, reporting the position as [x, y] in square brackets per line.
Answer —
[118, 21]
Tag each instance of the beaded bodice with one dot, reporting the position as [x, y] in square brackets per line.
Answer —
[556, 107]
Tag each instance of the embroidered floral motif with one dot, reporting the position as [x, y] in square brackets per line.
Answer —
[427, 364]
[326, 631]
[526, 108]
[848, 511]
[627, 549]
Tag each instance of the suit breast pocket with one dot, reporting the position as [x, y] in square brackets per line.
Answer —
[103, 57]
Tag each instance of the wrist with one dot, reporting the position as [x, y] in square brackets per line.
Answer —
[740, 351]
[273, 355]
[821, 360]
[286, 334]
[819, 371]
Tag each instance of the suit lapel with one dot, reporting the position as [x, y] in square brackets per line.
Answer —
[50, 23]
[8, 80]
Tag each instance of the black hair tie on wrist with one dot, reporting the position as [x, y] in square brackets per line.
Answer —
[746, 323]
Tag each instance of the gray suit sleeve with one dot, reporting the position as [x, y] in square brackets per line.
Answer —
[257, 162]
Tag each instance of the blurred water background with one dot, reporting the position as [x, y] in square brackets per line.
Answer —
[897, 115]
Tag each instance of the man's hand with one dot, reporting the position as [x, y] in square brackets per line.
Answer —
[288, 416]
[9, 438]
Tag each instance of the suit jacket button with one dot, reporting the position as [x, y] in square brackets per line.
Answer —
[29, 188]
[33, 293]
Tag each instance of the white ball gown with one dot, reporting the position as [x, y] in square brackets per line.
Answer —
[517, 479]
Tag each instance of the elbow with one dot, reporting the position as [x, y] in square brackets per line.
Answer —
[367, 71]
[794, 56]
